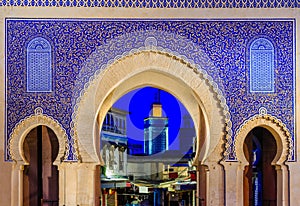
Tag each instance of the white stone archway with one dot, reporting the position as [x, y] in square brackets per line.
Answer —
[283, 141]
[172, 74]
[17, 150]
[154, 69]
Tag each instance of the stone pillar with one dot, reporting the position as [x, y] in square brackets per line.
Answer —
[78, 184]
[61, 183]
[202, 179]
[279, 185]
[294, 182]
[198, 187]
[233, 183]
[17, 184]
[283, 184]
[215, 184]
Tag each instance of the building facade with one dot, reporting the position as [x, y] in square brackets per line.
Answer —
[114, 143]
[233, 64]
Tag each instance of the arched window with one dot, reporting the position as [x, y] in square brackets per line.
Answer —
[262, 66]
[39, 72]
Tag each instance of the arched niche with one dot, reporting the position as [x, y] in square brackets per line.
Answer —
[278, 131]
[24, 127]
[283, 141]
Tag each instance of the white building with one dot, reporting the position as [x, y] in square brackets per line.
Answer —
[114, 143]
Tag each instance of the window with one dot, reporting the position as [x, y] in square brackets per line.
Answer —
[39, 72]
[261, 66]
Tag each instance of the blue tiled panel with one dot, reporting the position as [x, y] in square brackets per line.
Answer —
[156, 3]
[39, 71]
[262, 66]
[219, 46]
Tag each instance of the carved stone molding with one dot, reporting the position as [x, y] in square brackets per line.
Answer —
[277, 128]
[127, 65]
[21, 130]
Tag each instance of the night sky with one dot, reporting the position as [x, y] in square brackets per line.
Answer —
[139, 104]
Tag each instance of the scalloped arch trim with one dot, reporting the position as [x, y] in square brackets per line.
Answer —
[21, 130]
[279, 131]
[138, 62]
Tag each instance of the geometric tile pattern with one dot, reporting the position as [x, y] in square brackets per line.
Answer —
[224, 44]
[156, 3]
[39, 74]
[261, 66]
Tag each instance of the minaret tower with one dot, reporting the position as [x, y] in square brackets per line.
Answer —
[156, 130]
[156, 106]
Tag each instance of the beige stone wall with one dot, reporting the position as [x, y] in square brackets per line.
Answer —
[5, 167]
[77, 173]
[5, 180]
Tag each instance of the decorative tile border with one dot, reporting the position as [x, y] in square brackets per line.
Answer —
[156, 3]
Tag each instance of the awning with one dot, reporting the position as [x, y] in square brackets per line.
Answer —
[185, 186]
[115, 182]
[113, 185]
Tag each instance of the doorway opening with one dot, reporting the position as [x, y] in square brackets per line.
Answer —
[40, 179]
[147, 143]
[260, 179]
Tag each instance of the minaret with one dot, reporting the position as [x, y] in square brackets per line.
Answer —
[156, 106]
[156, 130]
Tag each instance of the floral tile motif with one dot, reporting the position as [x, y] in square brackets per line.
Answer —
[221, 47]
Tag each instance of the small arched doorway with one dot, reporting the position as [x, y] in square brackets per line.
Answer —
[260, 178]
[40, 180]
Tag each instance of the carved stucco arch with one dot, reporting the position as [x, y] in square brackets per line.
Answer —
[194, 89]
[279, 131]
[21, 130]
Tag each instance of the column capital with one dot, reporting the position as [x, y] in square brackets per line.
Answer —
[78, 165]
[19, 165]
[293, 165]
[233, 165]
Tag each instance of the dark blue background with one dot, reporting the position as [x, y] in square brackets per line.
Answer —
[139, 104]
